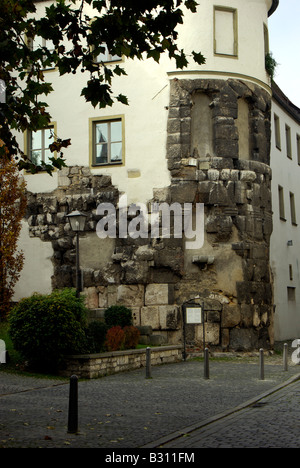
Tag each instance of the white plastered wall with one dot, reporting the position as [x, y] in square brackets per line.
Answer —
[285, 172]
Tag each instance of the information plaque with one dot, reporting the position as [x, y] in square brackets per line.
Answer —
[194, 315]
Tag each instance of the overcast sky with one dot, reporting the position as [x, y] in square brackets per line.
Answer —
[284, 38]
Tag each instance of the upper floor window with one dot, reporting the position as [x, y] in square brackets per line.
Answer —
[281, 203]
[107, 141]
[225, 31]
[293, 209]
[40, 43]
[106, 56]
[38, 145]
[288, 142]
[277, 131]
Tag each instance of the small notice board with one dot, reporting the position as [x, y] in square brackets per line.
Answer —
[193, 314]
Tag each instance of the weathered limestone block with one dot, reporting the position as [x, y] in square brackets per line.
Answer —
[243, 339]
[150, 317]
[212, 333]
[112, 293]
[91, 297]
[219, 195]
[159, 294]
[247, 176]
[219, 224]
[225, 338]
[227, 148]
[130, 295]
[102, 296]
[231, 315]
[169, 317]
[136, 316]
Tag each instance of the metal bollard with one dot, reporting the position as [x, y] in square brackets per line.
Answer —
[148, 363]
[206, 363]
[73, 405]
[261, 364]
[285, 357]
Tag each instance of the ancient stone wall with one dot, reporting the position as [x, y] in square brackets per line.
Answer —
[155, 276]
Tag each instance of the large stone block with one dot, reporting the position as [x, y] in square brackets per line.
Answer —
[231, 315]
[212, 334]
[130, 295]
[243, 339]
[169, 317]
[150, 317]
[159, 294]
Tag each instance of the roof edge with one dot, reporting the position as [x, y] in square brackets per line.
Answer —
[285, 102]
[274, 6]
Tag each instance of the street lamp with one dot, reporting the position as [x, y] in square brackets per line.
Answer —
[77, 222]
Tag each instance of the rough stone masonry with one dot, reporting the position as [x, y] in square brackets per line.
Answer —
[218, 150]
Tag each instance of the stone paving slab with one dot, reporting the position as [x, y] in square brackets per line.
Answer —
[128, 411]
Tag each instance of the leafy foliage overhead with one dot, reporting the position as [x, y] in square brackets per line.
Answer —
[77, 30]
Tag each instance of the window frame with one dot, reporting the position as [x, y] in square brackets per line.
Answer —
[30, 43]
[281, 203]
[277, 131]
[293, 209]
[298, 148]
[28, 141]
[108, 57]
[92, 135]
[288, 140]
[234, 31]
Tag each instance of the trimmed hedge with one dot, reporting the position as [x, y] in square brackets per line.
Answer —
[118, 315]
[43, 328]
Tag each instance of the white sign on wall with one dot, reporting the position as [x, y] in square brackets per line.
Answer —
[194, 315]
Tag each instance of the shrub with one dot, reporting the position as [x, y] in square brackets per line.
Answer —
[96, 334]
[132, 335]
[118, 316]
[115, 338]
[45, 327]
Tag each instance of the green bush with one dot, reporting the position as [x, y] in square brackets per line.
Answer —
[45, 327]
[96, 333]
[118, 316]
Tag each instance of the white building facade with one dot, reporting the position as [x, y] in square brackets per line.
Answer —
[285, 162]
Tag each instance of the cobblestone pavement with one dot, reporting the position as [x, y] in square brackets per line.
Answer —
[128, 411]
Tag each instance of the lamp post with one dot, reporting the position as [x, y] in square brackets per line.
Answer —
[77, 223]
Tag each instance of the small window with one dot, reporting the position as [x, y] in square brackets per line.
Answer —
[281, 203]
[225, 31]
[293, 210]
[291, 272]
[291, 294]
[105, 56]
[38, 145]
[298, 148]
[266, 39]
[108, 144]
[277, 131]
[288, 142]
[39, 43]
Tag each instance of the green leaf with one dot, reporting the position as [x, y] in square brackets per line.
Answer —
[199, 58]
[123, 99]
